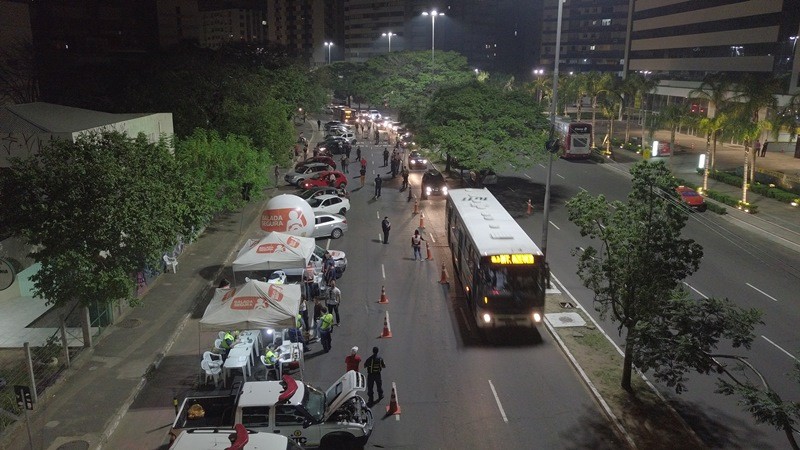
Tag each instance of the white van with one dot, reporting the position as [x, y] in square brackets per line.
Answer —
[239, 438]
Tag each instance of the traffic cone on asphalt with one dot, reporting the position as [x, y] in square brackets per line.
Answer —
[422, 220]
[387, 329]
[530, 207]
[443, 280]
[384, 299]
[394, 406]
[416, 206]
[428, 249]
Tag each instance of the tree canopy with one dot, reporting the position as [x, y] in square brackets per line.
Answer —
[636, 276]
[95, 211]
[485, 126]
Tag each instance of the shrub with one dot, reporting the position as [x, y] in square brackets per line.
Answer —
[713, 207]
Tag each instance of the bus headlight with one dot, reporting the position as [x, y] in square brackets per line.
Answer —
[487, 318]
[537, 317]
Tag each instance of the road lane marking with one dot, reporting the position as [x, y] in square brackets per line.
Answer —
[328, 244]
[377, 214]
[759, 290]
[779, 348]
[542, 166]
[584, 190]
[559, 176]
[499, 405]
[529, 177]
[698, 292]
[554, 225]
[383, 272]
[432, 238]
[380, 238]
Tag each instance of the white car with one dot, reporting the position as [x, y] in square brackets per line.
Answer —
[339, 260]
[333, 225]
[331, 204]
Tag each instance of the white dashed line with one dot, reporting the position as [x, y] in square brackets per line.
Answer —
[779, 348]
[765, 294]
[383, 272]
[377, 214]
[554, 225]
[584, 190]
[529, 177]
[559, 176]
[499, 405]
[692, 288]
[542, 166]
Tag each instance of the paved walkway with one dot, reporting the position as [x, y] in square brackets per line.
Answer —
[85, 406]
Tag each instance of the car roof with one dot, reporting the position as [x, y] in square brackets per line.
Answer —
[432, 171]
[315, 164]
[266, 393]
[326, 196]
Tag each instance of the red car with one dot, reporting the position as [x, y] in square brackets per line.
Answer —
[333, 178]
[317, 159]
[691, 198]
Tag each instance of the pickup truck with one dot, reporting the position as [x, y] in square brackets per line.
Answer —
[238, 438]
[336, 418]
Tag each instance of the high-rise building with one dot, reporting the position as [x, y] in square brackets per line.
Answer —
[684, 40]
[365, 23]
[304, 26]
[592, 35]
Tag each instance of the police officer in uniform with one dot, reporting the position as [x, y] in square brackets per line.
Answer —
[374, 364]
[325, 329]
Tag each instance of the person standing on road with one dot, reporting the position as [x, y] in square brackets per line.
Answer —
[332, 302]
[416, 245]
[386, 226]
[385, 157]
[404, 172]
[325, 329]
[319, 124]
[363, 175]
[345, 163]
[374, 365]
[764, 149]
[378, 183]
[352, 361]
[358, 153]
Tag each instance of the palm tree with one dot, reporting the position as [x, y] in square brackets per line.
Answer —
[628, 90]
[541, 85]
[670, 118]
[715, 89]
[642, 86]
[748, 131]
[609, 104]
[596, 84]
[755, 96]
[711, 126]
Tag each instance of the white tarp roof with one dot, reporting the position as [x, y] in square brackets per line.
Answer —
[275, 251]
[253, 306]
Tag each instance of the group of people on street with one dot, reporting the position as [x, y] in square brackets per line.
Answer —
[374, 365]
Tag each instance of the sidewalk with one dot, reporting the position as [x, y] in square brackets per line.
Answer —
[82, 410]
[778, 221]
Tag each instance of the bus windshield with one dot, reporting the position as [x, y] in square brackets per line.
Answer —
[505, 280]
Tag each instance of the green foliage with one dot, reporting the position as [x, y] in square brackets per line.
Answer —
[220, 167]
[106, 194]
[485, 126]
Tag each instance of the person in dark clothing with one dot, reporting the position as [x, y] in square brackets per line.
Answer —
[358, 153]
[319, 124]
[374, 365]
[386, 226]
[347, 149]
[404, 173]
[764, 149]
[385, 157]
[378, 183]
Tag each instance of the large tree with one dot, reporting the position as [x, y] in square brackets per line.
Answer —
[485, 126]
[636, 275]
[95, 211]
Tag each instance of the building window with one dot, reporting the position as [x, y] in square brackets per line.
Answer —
[606, 22]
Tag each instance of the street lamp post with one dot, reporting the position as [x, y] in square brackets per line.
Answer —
[538, 73]
[433, 15]
[389, 35]
[551, 143]
[329, 45]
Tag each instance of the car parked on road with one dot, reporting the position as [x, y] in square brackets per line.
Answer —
[433, 183]
[305, 171]
[333, 178]
[416, 161]
[329, 225]
[316, 159]
[331, 124]
[332, 204]
[691, 198]
[323, 190]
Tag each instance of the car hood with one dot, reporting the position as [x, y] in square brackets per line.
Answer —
[337, 255]
[347, 387]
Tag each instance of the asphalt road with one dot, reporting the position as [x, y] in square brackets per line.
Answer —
[747, 268]
[455, 390]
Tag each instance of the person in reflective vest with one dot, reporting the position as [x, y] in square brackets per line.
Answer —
[269, 358]
[374, 364]
[227, 343]
[325, 329]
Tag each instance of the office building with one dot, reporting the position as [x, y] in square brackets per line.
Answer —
[303, 27]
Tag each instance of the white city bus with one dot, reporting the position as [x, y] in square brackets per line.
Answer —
[575, 138]
[500, 268]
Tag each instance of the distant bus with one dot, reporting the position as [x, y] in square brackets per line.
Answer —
[347, 115]
[575, 137]
[500, 268]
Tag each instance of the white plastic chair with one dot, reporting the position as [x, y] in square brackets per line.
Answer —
[172, 262]
[221, 335]
[214, 359]
[212, 372]
[218, 344]
[270, 368]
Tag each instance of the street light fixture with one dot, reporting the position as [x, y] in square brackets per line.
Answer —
[329, 45]
[389, 35]
[433, 15]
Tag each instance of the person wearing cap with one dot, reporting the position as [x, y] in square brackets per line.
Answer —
[352, 361]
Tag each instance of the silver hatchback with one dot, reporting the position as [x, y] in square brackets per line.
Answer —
[329, 225]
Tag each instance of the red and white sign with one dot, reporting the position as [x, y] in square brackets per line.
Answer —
[288, 214]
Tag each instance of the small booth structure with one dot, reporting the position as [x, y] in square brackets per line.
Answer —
[260, 312]
[272, 252]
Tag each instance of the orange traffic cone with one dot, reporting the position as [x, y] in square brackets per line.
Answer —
[387, 329]
[530, 207]
[384, 298]
[394, 406]
[428, 249]
[443, 280]
[416, 205]
[422, 220]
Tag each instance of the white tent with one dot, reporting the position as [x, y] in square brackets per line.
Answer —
[255, 305]
[274, 251]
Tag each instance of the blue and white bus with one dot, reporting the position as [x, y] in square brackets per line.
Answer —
[500, 268]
